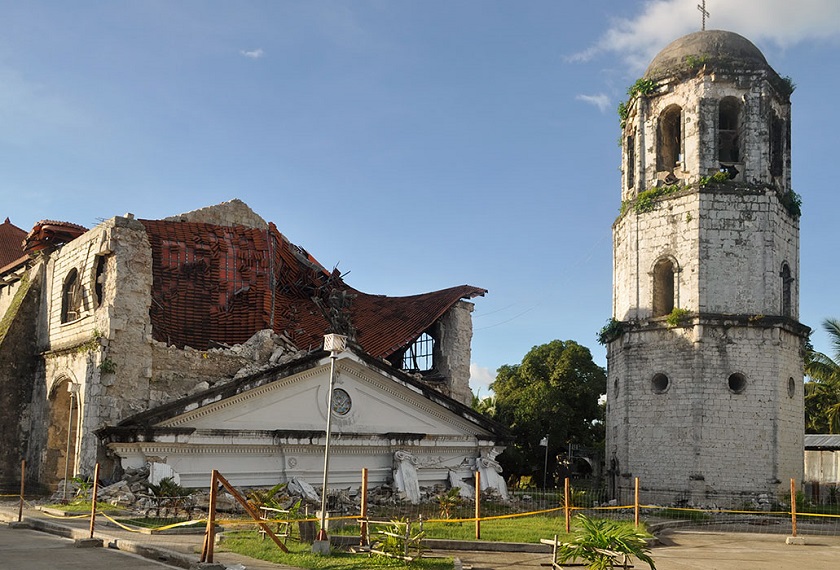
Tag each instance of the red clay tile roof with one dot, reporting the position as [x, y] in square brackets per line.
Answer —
[11, 243]
[220, 285]
[49, 233]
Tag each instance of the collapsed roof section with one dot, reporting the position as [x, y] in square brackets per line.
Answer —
[218, 285]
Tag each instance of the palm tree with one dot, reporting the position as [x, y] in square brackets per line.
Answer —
[604, 544]
[822, 393]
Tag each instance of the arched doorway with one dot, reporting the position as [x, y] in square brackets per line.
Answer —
[62, 434]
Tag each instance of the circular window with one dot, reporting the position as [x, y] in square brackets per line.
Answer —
[660, 383]
[737, 382]
[341, 402]
[791, 387]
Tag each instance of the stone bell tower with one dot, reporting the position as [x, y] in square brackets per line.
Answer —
[705, 389]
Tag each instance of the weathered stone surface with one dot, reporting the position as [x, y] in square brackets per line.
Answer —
[232, 213]
[700, 409]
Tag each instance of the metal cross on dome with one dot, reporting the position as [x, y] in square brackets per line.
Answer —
[705, 14]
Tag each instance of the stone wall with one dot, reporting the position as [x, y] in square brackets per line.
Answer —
[729, 245]
[18, 366]
[453, 352]
[711, 404]
[696, 434]
[699, 100]
[232, 213]
[179, 373]
[105, 351]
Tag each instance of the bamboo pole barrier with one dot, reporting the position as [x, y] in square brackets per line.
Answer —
[477, 504]
[793, 506]
[93, 497]
[636, 503]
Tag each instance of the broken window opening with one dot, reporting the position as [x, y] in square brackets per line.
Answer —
[631, 161]
[669, 139]
[420, 355]
[729, 140]
[777, 127]
[71, 298]
[99, 280]
[663, 287]
[787, 291]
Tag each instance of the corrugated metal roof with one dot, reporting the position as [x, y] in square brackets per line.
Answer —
[822, 441]
[218, 284]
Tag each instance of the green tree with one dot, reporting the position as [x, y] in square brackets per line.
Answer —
[485, 405]
[553, 392]
[822, 393]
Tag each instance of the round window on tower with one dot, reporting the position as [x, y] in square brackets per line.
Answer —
[660, 383]
[737, 383]
[791, 387]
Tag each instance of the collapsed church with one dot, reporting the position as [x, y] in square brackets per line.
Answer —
[195, 343]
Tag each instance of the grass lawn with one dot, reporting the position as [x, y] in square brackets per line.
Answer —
[249, 543]
[528, 529]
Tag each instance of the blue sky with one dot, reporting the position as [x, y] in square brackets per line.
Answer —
[415, 145]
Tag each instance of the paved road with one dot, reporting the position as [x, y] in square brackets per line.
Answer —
[24, 549]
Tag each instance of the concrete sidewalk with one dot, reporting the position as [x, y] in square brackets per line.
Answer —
[679, 550]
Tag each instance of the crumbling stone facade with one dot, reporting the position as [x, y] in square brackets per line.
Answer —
[705, 389]
[78, 350]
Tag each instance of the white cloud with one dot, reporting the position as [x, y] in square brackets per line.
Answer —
[781, 22]
[601, 100]
[480, 380]
[253, 54]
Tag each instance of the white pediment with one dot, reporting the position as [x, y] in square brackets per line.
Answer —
[378, 404]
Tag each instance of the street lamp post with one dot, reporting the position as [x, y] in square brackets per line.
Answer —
[544, 443]
[335, 343]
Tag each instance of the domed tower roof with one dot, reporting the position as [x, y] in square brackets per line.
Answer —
[715, 49]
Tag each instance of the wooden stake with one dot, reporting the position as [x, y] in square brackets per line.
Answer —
[250, 510]
[567, 507]
[363, 526]
[477, 504]
[636, 505]
[93, 497]
[209, 534]
[793, 506]
[22, 487]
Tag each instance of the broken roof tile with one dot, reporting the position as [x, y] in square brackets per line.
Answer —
[254, 279]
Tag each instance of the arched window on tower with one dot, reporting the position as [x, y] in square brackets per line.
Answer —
[729, 140]
[787, 291]
[663, 287]
[669, 139]
[71, 298]
[630, 153]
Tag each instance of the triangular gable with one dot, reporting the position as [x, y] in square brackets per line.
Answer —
[377, 405]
